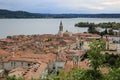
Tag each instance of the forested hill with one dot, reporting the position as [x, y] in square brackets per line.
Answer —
[24, 14]
[19, 14]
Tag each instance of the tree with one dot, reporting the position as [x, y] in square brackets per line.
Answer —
[77, 74]
[112, 61]
[114, 74]
[91, 74]
[95, 56]
[82, 74]
[111, 32]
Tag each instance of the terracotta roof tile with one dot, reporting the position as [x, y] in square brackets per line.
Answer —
[4, 53]
[84, 64]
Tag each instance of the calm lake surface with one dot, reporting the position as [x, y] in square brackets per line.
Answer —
[10, 27]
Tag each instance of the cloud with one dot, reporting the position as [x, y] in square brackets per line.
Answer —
[65, 6]
[96, 7]
[112, 3]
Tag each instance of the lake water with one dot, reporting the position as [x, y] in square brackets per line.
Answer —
[10, 27]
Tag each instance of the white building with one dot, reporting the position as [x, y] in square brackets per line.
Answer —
[27, 68]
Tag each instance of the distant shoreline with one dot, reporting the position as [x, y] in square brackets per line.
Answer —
[7, 14]
[63, 18]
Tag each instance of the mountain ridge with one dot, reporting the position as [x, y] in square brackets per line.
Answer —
[24, 14]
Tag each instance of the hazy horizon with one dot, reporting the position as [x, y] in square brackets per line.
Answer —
[61, 7]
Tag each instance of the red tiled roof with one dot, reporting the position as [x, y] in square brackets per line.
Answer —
[29, 56]
[87, 35]
[35, 75]
[68, 41]
[29, 73]
[4, 53]
[3, 79]
[84, 64]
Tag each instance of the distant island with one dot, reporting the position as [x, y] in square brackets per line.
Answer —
[94, 28]
[112, 25]
[23, 14]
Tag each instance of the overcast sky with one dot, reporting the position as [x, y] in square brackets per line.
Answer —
[62, 6]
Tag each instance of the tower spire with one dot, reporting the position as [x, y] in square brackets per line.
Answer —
[60, 32]
[61, 26]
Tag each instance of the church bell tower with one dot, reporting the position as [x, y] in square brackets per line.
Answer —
[61, 26]
[60, 32]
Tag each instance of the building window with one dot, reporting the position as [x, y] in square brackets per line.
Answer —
[28, 64]
[11, 63]
[21, 63]
[60, 67]
[14, 64]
